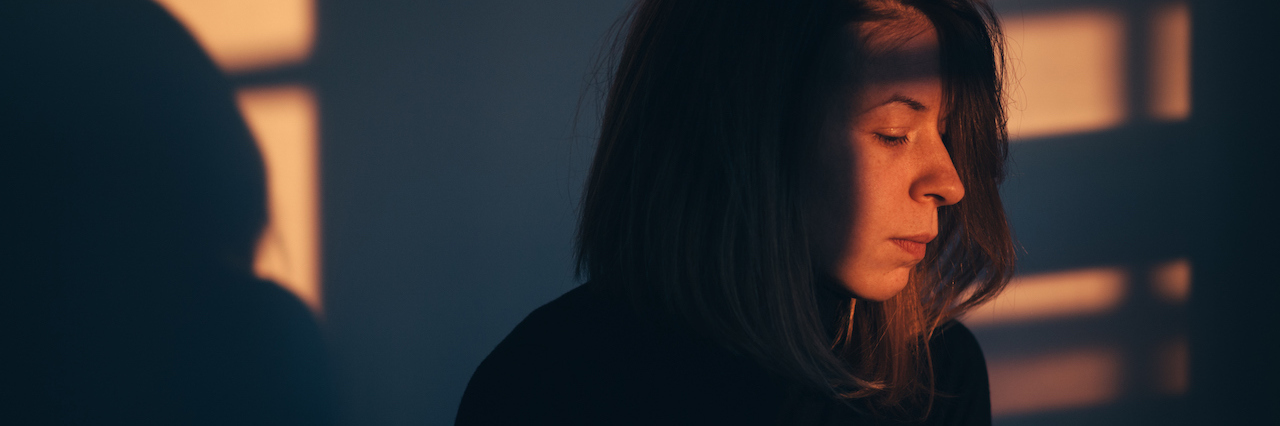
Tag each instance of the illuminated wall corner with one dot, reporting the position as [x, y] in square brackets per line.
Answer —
[1066, 72]
[284, 120]
[1169, 67]
[245, 36]
[1056, 381]
[248, 35]
[1063, 294]
[1171, 281]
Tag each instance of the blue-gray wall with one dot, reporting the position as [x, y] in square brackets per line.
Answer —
[451, 175]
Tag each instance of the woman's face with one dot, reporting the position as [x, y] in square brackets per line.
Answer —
[884, 143]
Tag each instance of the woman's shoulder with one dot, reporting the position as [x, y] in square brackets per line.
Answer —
[575, 324]
[589, 358]
[960, 377]
[958, 343]
[559, 356]
[577, 318]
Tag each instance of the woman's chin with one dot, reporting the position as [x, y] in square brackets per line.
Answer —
[877, 288]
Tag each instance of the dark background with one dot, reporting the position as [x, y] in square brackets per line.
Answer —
[450, 179]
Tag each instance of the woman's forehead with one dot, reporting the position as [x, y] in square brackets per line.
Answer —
[893, 53]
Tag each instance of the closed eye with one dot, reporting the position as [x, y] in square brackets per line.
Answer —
[891, 140]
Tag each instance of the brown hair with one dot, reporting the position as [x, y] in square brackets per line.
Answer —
[694, 206]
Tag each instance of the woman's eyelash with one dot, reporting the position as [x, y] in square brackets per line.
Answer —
[891, 140]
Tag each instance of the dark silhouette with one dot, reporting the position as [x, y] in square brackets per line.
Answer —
[133, 199]
[588, 359]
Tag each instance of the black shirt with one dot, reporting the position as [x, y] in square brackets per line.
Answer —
[586, 358]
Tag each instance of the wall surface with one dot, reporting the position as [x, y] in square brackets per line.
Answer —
[450, 179]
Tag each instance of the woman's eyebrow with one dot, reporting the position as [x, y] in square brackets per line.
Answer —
[905, 100]
[900, 99]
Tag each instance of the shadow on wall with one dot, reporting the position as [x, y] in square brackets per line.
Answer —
[1114, 196]
[135, 200]
[1094, 328]
[262, 46]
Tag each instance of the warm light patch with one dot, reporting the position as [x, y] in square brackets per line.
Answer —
[1053, 295]
[283, 119]
[1170, 67]
[1171, 281]
[1079, 378]
[245, 35]
[1067, 72]
[1173, 367]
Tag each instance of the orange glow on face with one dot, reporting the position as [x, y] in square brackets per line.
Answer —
[1053, 295]
[246, 35]
[1170, 91]
[1171, 281]
[283, 119]
[1066, 72]
[1079, 378]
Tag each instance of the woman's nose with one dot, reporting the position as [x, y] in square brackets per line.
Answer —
[937, 181]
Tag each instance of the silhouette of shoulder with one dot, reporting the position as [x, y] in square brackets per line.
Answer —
[960, 375]
[586, 358]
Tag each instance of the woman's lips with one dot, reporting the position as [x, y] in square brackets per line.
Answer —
[915, 249]
[913, 245]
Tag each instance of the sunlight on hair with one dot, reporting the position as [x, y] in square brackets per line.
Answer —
[1173, 367]
[1170, 67]
[247, 35]
[283, 120]
[1053, 295]
[1171, 281]
[1066, 72]
[1072, 379]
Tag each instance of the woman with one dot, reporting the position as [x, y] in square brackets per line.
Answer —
[773, 226]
